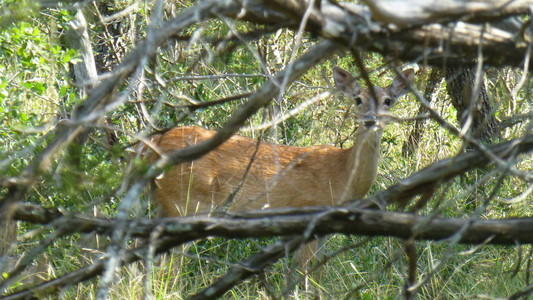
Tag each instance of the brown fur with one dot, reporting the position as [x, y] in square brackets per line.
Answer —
[307, 175]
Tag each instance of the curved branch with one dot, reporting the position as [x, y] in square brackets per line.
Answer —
[446, 169]
[258, 99]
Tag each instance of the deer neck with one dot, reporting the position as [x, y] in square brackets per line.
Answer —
[361, 167]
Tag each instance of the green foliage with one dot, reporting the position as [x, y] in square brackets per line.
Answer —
[27, 84]
[14, 11]
[34, 87]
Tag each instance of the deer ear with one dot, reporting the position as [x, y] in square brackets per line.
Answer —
[345, 81]
[398, 86]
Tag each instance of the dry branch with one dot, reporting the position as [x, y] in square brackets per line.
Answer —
[325, 220]
[437, 42]
[258, 100]
[445, 169]
[251, 266]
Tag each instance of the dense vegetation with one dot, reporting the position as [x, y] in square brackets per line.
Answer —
[42, 102]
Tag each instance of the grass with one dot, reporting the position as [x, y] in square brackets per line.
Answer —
[369, 268]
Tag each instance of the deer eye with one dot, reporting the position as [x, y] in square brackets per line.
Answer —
[358, 101]
[387, 101]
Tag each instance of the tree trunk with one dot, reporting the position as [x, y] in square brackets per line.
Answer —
[77, 38]
[460, 86]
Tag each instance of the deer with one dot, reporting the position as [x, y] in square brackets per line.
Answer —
[242, 174]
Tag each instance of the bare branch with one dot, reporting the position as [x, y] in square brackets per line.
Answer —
[257, 100]
[292, 221]
[252, 266]
[354, 25]
[446, 169]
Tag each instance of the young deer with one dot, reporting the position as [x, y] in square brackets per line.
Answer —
[279, 175]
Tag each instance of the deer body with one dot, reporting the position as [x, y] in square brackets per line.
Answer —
[280, 176]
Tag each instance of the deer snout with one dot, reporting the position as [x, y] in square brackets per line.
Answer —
[370, 121]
